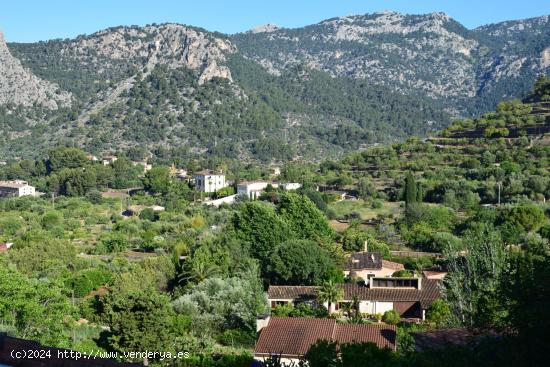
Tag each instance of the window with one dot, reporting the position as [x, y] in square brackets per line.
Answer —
[394, 283]
[278, 303]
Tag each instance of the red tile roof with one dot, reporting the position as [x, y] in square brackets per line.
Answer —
[382, 335]
[293, 336]
[392, 265]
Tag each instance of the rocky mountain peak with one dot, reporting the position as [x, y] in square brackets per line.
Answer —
[265, 28]
[170, 44]
[19, 86]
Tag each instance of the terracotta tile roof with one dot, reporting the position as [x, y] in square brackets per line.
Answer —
[380, 334]
[426, 295]
[293, 336]
[365, 260]
[392, 265]
[9, 345]
[433, 274]
[292, 292]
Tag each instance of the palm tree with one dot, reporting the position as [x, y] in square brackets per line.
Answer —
[331, 293]
[199, 270]
[355, 306]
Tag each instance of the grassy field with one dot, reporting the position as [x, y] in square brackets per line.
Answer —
[365, 209]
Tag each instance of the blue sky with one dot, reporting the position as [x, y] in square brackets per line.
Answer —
[32, 20]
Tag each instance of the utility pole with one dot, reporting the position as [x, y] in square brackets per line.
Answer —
[499, 193]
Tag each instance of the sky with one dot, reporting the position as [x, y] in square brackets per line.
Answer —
[34, 20]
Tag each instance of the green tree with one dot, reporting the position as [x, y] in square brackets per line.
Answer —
[527, 217]
[411, 194]
[260, 230]
[323, 354]
[471, 287]
[157, 180]
[365, 188]
[330, 293]
[62, 157]
[139, 320]
[148, 214]
[304, 219]
[439, 313]
[37, 309]
[391, 317]
[299, 262]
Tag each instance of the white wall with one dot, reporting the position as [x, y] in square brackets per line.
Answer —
[378, 273]
[26, 190]
[210, 183]
[374, 307]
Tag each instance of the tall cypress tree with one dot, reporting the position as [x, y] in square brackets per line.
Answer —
[410, 189]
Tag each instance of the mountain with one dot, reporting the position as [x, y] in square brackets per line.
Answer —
[470, 70]
[20, 87]
[268, 94]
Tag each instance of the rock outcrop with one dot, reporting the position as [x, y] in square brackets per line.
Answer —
[173, 45]
[19, 86]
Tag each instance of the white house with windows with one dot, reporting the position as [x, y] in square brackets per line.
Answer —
[16, 188]
[209, 182]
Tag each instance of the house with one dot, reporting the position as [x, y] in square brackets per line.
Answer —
[217, 202]
[207, 181]
[22, 353]
[410, 297]
[291, 337]
[5, 246]
[92, 158]
[252, 189]
[291, 186]
[109, 159]
[367, 265]
[16, 188]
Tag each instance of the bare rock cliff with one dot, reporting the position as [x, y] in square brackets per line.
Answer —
[20, 87]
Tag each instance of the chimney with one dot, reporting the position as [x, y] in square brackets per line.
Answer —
[366, 246]
[261, 322]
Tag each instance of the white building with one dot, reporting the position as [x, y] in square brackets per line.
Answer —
[367, 265]
[206, 181]
[16, 188]
[252, 189]
[291, 186]
[109, 159]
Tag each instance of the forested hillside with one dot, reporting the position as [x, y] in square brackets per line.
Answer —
[268, 95]
[96, 265]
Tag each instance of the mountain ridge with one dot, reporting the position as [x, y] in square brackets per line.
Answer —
[166, 83]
